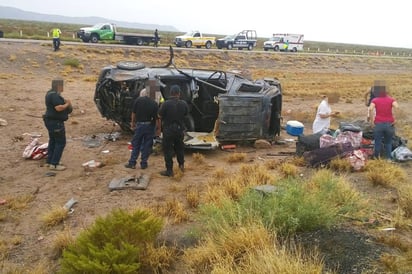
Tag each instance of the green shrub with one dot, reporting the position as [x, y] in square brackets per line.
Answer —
[294, 206]
[73, 62]
[114, 244]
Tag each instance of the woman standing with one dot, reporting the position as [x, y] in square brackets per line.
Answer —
[381, 111]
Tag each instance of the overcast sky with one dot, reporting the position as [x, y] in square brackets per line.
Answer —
[368, 22]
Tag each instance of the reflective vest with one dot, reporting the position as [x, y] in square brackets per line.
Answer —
[56, 33]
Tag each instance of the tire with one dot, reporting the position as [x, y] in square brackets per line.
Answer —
[276, 48]
[229, 46]
[139, 41]
[250, 47]
[208, 44]
[265, 49]
[294, 49]
[94, 38]
[188, 44]
[86, 40]
[130, 65]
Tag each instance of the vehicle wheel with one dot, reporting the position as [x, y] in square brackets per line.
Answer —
[265, 49]
[130, 65]
[139, 41]
[294, 49]
[94, 38]
[85, 40]
[229, 46]
[188, 44]
[276, 48]
[250, 47]
[208, 44]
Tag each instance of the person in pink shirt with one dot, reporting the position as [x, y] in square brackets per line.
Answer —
[383, 120]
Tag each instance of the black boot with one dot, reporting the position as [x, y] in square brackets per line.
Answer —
[167, 172]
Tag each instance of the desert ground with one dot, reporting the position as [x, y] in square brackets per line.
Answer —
[26, 71]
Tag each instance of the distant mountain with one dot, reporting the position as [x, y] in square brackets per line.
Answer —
[18, 14]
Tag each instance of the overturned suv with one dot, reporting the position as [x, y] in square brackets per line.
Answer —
[223, 105]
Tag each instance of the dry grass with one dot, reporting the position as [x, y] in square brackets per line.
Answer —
[232, 186]
[405, 199]
[340, 165]
[174, 210]
[55, 216]
[198, 158]
[158, 258]
[193, 197]
[380, 172]
[247, 250]
[236, 157]
[20, 202]
[60, 242]
[289, 170]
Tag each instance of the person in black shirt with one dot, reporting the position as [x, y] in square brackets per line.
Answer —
[57, 112]
[156, 38]
[172, 112]
[143, 121]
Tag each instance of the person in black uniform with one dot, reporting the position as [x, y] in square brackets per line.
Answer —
[57, 112]
[143, 121]
[156, 38]
[172, 112]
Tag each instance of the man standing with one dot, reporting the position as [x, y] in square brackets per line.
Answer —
[56, 38]
[143, 121]
[57, 112]
[156, 38]
[172, 112]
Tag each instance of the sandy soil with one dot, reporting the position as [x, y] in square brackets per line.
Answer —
[26, 71]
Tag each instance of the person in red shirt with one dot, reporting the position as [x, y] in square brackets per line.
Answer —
[383, 120]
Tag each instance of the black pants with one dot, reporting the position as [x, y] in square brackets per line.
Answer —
[172, 143]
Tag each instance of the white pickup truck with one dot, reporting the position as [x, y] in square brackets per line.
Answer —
[194, 38]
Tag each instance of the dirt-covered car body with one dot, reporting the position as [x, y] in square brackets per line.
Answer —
[224, 103]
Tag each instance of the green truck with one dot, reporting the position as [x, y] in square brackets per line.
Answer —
[107, 31]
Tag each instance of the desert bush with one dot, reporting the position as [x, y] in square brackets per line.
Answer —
[72, 62]
[380, 172]
[236, 157]
[288, 170]
[55, 216]
[340, 165]
[293, 206]
[114, 244]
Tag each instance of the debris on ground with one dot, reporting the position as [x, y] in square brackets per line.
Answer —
[141, 183]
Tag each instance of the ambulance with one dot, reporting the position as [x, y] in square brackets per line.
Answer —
[284, 42]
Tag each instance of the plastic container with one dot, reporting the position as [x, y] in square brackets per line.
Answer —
[294, 128]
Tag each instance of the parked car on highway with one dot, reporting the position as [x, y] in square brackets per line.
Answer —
[244, 39]
[196, 39]
[225, 104]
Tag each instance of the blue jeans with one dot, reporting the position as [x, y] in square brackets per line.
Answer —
[142, 142]
[384, 131]
[57, 140]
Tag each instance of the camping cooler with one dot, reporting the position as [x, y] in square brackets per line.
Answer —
[294, 128]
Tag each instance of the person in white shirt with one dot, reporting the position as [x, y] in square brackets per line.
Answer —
[321, 124]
